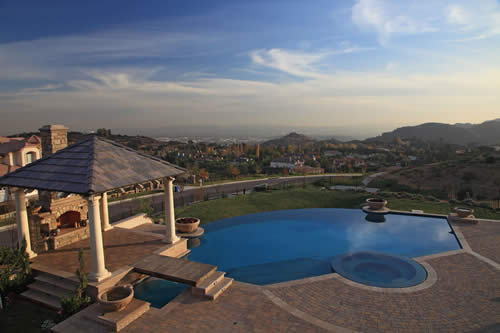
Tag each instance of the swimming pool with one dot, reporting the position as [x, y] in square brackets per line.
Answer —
[285, 245]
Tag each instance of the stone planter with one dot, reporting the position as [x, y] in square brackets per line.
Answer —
[187, 224]
[376, 203]
[116, 298]
[463, 212]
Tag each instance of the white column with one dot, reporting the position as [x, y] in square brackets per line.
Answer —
[104, 213]
[23, 230]
[99, 271]
[170, 236]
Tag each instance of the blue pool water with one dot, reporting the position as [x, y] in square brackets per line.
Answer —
[379, 269]
[287, 245]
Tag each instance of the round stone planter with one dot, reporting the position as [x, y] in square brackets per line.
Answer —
[116, 298]
[376, 203]
[187, 224]
[463, 212]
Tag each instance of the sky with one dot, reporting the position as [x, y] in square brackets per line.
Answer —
[352, 67]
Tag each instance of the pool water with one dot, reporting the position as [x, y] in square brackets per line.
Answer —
[379, 269]
[285, 245]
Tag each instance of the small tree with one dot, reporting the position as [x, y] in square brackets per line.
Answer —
[79, 300]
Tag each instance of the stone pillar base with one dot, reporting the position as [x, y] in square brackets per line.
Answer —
[31, 254]
[171, 240]
[108, 227]
[97, 277]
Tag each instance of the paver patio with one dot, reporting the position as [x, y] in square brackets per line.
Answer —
[465, 297]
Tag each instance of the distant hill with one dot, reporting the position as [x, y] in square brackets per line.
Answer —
[289, 139]
[486, 133]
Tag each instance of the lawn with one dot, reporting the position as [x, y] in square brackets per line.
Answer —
[309, 197]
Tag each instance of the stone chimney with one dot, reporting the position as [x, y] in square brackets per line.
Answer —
[54, 138]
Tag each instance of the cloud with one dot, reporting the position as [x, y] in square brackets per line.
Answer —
[388, 18]
[467, 20]
[300, 64]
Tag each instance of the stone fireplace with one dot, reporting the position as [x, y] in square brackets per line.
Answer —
[59, 219]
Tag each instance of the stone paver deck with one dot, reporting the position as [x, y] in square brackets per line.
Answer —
[464, 298]
[121, 247]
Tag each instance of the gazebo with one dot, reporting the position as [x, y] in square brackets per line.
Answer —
[91, 168]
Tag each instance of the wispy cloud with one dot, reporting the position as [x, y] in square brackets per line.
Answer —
[468, 20]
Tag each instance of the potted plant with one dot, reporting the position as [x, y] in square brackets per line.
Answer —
[376, 203]
[463, 211]
[116, 298]
[187, 224]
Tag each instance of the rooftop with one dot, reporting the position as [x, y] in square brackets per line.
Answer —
[91, 166]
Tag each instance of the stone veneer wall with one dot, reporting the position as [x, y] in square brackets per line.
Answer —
[69, 238]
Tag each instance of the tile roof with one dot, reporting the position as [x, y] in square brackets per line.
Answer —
[94, 165]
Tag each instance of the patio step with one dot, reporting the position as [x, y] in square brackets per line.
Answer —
[213, 286]
[49, 289]
[61, 283]
[42, 298]
[219, 288]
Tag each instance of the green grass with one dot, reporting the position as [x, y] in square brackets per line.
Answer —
[438, 207]
[309, 197]
[295, 198]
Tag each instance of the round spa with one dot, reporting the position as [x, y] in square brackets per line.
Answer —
[379, 269]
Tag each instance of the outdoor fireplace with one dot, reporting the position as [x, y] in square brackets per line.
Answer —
[58, 220]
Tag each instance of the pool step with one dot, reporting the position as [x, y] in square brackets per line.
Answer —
[219, 288]
[212, 286]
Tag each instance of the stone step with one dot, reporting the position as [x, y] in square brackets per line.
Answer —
[49, 289]
[42, 298]
[219, 288]
[62, 283]
[208, 284]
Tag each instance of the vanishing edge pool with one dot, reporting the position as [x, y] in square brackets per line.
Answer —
[279, 246]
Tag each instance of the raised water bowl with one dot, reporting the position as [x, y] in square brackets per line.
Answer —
[116, 298]
[187, 224]
[376, 203]
[379, 269]
[463, 211]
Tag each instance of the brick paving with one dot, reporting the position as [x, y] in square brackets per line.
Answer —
[240, 309]
[483, 238]
[121, 248]
[465, 297]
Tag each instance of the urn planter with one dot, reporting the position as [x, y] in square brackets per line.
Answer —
[376, 203]
[116, 298]
[187, 224]
[463, 211]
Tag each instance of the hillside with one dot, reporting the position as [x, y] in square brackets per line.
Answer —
[289, 139]
[487, 133]
[478, 177]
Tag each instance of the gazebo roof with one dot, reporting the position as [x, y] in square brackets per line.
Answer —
[94, 165]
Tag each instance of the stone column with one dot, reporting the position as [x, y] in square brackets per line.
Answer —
[104, 213]
[99, 271]
[23, 230]
[170, 236]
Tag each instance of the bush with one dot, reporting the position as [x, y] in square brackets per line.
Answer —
[79, 300]
[17, 271]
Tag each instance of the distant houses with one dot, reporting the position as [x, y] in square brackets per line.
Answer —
[15, 153]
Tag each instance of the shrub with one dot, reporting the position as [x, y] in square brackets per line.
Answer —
[145, 207]
[79, 300]
[17, 271]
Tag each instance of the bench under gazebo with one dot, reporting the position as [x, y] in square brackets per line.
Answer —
[90, 169]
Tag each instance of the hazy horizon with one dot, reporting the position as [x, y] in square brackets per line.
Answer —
[355, 67]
